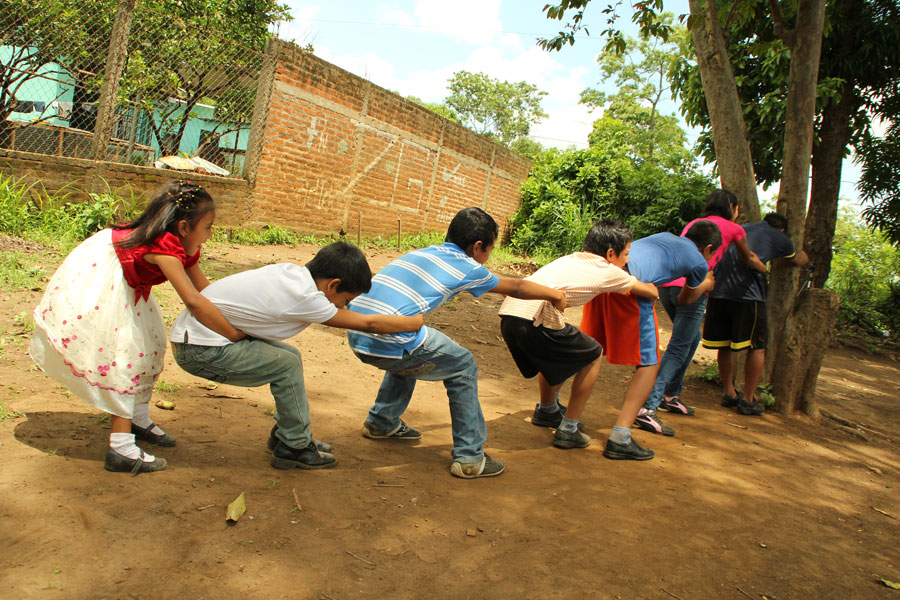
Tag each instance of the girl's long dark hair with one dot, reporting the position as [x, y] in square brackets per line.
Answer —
[174, 202]
[719, 203]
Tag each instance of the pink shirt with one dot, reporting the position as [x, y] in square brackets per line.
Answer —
[730, 232]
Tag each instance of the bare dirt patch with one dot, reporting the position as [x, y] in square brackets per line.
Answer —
[732, 507]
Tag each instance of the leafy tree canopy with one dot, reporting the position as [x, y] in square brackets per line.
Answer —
[500, 110]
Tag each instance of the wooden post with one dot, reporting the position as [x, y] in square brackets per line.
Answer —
[359, 229]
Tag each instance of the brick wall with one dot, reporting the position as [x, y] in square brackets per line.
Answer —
[78, 176]
[337, 149]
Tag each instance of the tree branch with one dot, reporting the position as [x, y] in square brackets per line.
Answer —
[788, 36]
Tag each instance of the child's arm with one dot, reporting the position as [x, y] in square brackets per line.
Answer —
[689, 294]
[199, 305]
[645, 290]
[348, 319]
[529, 290]
[198, 278]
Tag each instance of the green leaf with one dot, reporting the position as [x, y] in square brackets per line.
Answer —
[237, 508]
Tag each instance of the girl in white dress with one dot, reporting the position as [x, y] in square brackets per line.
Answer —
[98, 329]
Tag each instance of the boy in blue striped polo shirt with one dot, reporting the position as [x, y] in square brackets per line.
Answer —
[419, 282]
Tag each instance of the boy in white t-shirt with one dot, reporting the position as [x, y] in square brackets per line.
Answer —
[271, 304]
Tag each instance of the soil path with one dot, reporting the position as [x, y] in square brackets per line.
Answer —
[732, 507]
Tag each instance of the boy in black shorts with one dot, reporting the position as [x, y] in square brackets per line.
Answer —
[736, 313]
[543, 344]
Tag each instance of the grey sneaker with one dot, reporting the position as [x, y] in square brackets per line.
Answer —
[566, 441]
[487, 467]
[400, 432]
[118, 463]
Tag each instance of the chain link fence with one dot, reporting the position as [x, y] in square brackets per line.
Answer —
[184, 98]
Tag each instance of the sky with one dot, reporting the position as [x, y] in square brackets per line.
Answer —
[413, 47]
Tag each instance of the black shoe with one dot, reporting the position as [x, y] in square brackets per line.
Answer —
[542, 418]
[629, 451]
[272, 442]
[731, 401]
[648, 420]
[118, 463]
[488, 467]
[754, 408]
[567, 441]
[146, 435]
[285, 457]
[401, 432]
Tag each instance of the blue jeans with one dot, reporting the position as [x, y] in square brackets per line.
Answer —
[686, 322]
[438, 359]
[252, 362]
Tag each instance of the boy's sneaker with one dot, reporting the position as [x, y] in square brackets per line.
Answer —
[286, 457]
[566, 440]
[648, 420]
[629, 451]
[675, 405]
[542, 418]
[273, 442]
[487, 467]
[400, 432]
[750, 408]
[731, 401]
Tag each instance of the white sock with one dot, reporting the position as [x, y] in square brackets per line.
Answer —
[123, 443]
[141, 418]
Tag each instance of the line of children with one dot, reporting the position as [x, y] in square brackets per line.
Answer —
[736, 319]
[721, 209]
[543, 344]
[626, 326]
[108, 347]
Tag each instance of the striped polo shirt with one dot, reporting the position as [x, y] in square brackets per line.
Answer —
[417, 282]
[581, 275]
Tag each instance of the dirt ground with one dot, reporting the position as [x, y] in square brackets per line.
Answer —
[732, 507]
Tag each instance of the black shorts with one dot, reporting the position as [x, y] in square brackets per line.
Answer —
[735, 324]
[557, 354]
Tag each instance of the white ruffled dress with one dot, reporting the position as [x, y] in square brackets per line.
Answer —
[91, 335]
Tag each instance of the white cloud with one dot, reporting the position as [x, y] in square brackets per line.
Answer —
[301, 29]
[391, 14]
[471, 21]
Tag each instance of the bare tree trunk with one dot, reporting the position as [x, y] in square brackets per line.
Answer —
[805, 45]
[802, 348]
[725, 112]
[828, 155]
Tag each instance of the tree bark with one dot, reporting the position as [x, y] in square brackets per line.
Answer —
[792, 196]
[726, 116]
[828, 155]
[802, 349]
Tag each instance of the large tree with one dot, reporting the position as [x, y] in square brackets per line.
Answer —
[859, 68]
[793, 315]
[502, 110]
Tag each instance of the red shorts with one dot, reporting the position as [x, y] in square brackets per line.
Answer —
[626, 327]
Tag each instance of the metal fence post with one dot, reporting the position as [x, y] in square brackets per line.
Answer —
[115, 64]
[260, 110]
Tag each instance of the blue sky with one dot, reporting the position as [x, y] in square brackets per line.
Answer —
[413, 47]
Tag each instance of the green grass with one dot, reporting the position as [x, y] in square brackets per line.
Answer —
[20, 271]
[7, 414]
[166, 386]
